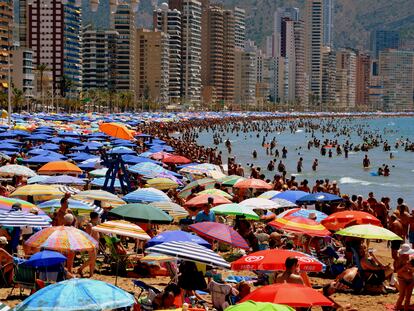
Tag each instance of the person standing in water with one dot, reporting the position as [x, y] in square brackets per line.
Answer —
[366, 162]
[315, 164]
[299, 165]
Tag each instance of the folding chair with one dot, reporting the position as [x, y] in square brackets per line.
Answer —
[24, 277]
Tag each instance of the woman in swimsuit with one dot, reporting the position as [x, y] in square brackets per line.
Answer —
[405, 272]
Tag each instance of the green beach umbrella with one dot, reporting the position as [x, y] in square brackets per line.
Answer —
[207, 183]
[369, 232]
[142, 213]
[259, 306]
[229, 181]
[216, 192]
[235, 209]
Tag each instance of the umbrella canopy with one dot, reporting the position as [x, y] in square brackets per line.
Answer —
[268, 194]
[76, 295]
[162, 183]
[291, 195]
[37, 190]
[22, 219]
[177, 236]
[274, 260]
[300, 225]
[220, 232]
[236, 210]
[7, 203]
[45, 258]
[229, 181]
[172, 209]
[201, 169]
[252, 183]
[175, 159]
[207, 183]
[305, 213]
[258, 306]
[201, 200]
[318, 197]
[99, 195]
[369, 232]
[191, 252]
[61, 167]
[146, 195]
[257, 203]
[215, 191]
[340, 220]
[4, 307]
[101, 172]
[122, 228]
[63, 180]
[16, 170]
[142, 213]
[74, 205]
[62, 238]
[116, 130]
[294, 295]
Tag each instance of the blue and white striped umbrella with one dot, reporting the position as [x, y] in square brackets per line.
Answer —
[190, 251]
[77, 205]
[146, 195]
[63, 180]
[4, 307]
[99, 182]
[22, 219]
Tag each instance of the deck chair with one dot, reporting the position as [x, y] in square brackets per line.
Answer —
[24, 278]
[120, 264]
[172, 271]
[220, 295]
[144, 287]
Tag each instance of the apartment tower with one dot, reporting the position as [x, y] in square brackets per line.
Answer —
[6, 44]
[363, 81]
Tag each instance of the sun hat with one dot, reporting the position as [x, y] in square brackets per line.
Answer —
[406, 249]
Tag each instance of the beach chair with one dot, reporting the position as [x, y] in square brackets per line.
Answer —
[144, 288]
[172, 271]
[24, 278]
[120, 263]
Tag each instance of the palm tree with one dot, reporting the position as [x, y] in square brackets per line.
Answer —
[41, 68]
[18, 99]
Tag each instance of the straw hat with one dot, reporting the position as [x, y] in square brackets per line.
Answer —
[406, 249]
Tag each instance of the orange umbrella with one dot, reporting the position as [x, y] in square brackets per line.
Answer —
[252, 183]
[340, 220]
[175, 159]
[59, 167]
[201, 200]
[301, 225]
[116, 130]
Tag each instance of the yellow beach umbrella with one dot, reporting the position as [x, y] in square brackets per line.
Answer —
[37, 190]
[122, 228]
[99, 195]
[216, 192]
[162, 183]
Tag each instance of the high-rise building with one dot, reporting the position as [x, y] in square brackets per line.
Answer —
[22, 22]
[169, 21]
[23, 71]
[363, 76]
[328, 79]
[54, 35]
[288, 51]
[240, 27]
[301, 89]
[276, 37]
[376, 94]
[328, 22]
[99, 59]
[6, 41]
[345, 80]
[263, 77]
[245, 76]
[313, 47]
[152, 73]
[229, 43]
[123, 22]
[396, 69]
[277, 72]
[384, 39]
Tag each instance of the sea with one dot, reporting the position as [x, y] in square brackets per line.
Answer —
[349, 173]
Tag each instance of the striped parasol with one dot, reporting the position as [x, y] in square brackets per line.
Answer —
[258, 203]
[67, 189]
[62, 238]
[191, 252]
[4, 307]
[41, 192]
[162, 183]
[216, 192]
[207, 183]
[76, 205]
[229, 181]
[146, 195]
[16, 170]
[268, 194]
[297, 224]
[99, 195]
[22, 219]
[7, 203]
[172, 209]
[123, 228]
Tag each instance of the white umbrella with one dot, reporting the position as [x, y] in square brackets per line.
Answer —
[258, 203]
[123, 228]
[22, 219]
[16, 170]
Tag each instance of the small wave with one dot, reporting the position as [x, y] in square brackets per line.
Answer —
[299, 131]
[350, 180]
[391, 124]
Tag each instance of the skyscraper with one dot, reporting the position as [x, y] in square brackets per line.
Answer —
[345, 80]
[328, 22]
[54, 35]
[288, 51]
[328, 78]
[396, 69]
[240, 27]
[301, 89]
[313, 47]
[169, 21]
[6, 41]
[384, 39]
[245, 76]
[363, 74]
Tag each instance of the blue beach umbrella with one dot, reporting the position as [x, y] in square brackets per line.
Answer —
[99, 182]
[319, 197]
[83, 157]
[63, 180]
[146, 168]
[133, 159]
[9, 147]
[42, 159]
[177, 236]
[121, 150]
[76, 205]
[77, 294]
[146, 195]
[50, 146]
[291, 195]
[44, 259]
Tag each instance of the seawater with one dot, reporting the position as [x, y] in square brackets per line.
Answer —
[351, 177]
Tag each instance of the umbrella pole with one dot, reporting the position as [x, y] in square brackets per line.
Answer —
[116, 274]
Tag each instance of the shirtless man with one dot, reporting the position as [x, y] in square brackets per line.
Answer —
[291, 274]
[366, 162]
[396, 227]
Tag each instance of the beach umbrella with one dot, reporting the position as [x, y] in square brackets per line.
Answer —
[37, 190]
[68, 189]
[63, 180]
[319, 197]
[268, 194]
[274, 260]
[200, 169]
[59, 167]
[133, 159]
[190, 251]
[101, 172]
[16, 170]
[259, 306]
[207, 183]
[146, 168]
[177, 236]
[43, 159]
[141, 213]
[175, 159]
[215, 191]
[301, 225]
[116, 130]
[22, 219]
[75, 205]
[263, 204]
[4, 307]
[369, 232]
[219, 232]
[38, 179]
[157, 258]
[235, 209]
[7, 203]
[100, 182]
[291, 195]
[252, 183]
[172, 209]
[305, 213]
[121, 150]
[9, 147]
[76, 295]
[99, 195]
[162, 183]
[229, 181]
[201, 200]
[62, 239]
[146, 195]
[340, 220]
[160, 155]
[45, 258]
[49, 146]
[294, 295]
[122, 228]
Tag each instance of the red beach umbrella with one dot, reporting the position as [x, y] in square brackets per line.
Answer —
[297, 224]
[340, 220]
[274, 260]
[219, 232]
[252, 183]
[175, 159]
[293, 295]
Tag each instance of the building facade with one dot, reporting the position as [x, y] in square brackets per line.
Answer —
[363, 76]
[301, 85]
[328, 79]
[345, 80]
[384, 39]
[6, 42]
[240, 27]
[23, 77]
[245, 77]
[328, 22]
